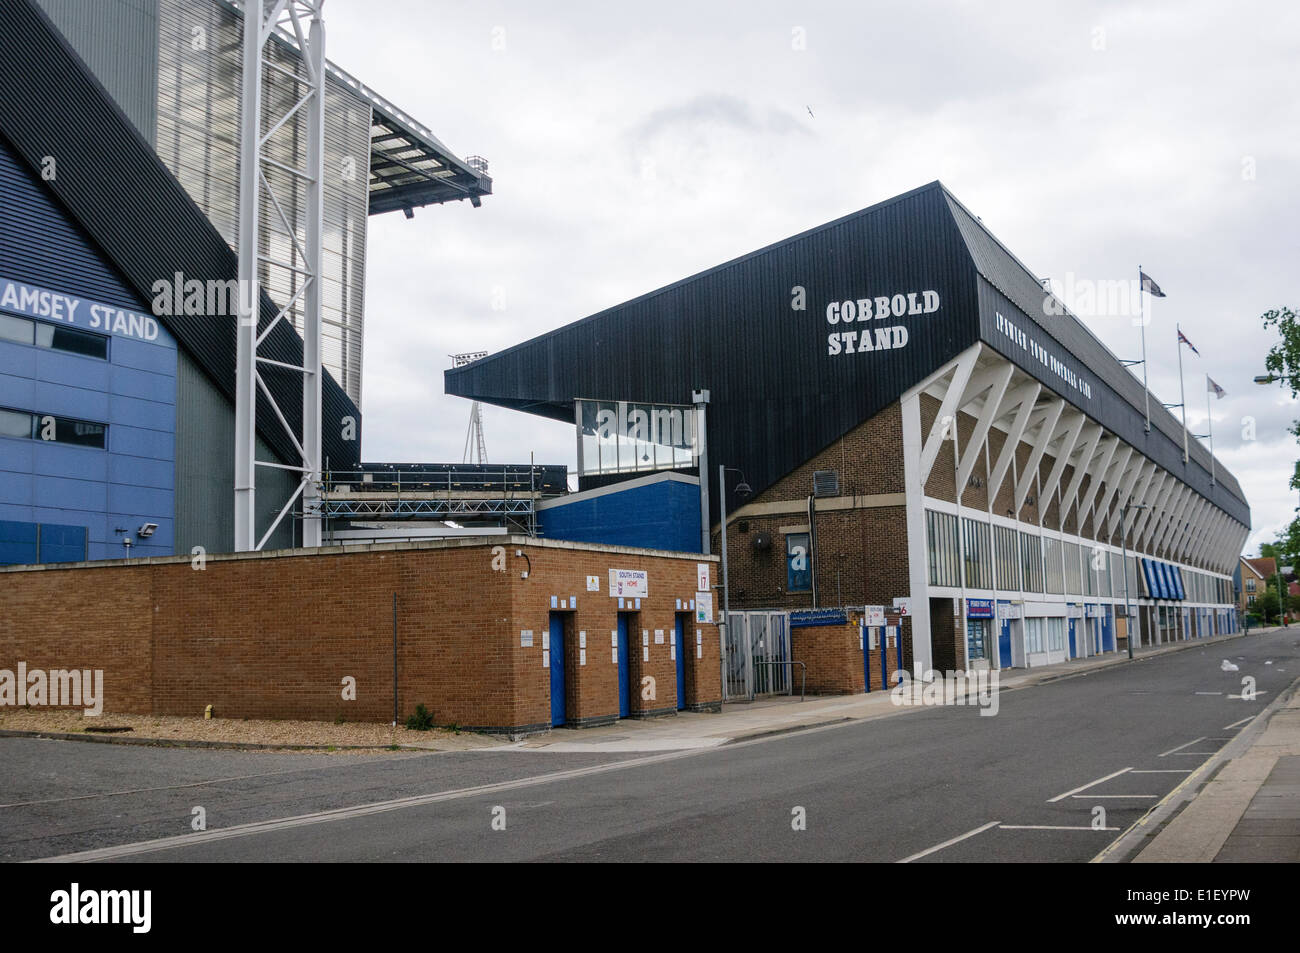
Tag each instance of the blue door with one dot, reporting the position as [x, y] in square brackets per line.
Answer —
[557, 669]
[1107, 630]
[1004, 644]
[624, 685]
[679, 637]
[864, 638]
[1074, 644]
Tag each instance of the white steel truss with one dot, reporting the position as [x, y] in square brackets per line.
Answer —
[301, 19]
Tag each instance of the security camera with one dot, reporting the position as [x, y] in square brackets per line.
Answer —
[146, 530]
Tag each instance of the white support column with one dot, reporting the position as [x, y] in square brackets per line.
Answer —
[947, 416]
[1047, 432]
[1099, 474]
[300, 256]
[1068, 442]
[1135, 482]
[1113, 482]
[996, 387]
[1023, 398]
[1158, 511]
[1150, 493]
[917, 544]
[1178, 502]
[1070, 498]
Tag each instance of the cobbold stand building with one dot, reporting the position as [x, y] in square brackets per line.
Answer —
[922, 438]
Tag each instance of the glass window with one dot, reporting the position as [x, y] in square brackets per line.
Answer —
[944, 549]
[15, 329]
[1031, 562]
[1054, 572]
[1055, 635]
[1008, 558]
[71, 340]
[14, 423]
[976, 632]
[978, 555]
[49, 427]
[1033, 635]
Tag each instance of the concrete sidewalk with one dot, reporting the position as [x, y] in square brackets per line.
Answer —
[777, 715]
[1249, 811]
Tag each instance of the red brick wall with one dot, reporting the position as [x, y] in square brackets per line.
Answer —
[273, 636]
[832, 655]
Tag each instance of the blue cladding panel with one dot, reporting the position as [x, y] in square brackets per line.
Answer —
[662, 515]
[17, 542]
[83, 493]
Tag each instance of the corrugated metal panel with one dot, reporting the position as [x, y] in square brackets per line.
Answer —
[198, 139]
[1117, 400]
[778, 395]
[113, 184]
[118, 40]
[205, 470]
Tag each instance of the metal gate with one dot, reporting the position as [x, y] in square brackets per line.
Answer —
[755, 654]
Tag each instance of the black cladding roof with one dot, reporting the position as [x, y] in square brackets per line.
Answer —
[117, 189]
[778, 393]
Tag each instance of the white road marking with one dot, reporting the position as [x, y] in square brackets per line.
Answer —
[1090, 797]
[1181, 747]
[1050, 827]
[1208, 693]
[346, 813]
[1237, 724]
[1164, 771]
[1251, 698]
[948, 843]
[1061, 797]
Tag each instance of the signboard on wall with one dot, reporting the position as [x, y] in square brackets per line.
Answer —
[629, 582]
[979, 608]
[702, 577]
[875, 615]
[903, 604]
[704, 607]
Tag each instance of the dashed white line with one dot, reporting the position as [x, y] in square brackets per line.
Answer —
[1061, 797]
[1164, 771]
[948, 843]
[1237, 724]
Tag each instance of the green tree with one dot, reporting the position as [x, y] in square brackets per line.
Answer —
[1283, 360]
[1267, 603]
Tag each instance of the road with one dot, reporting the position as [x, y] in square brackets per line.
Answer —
[926, 785]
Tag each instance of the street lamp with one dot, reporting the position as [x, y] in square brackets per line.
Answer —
[743, 491]
[1271, 378]
[1123, 545]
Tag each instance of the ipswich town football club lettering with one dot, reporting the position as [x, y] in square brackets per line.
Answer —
[871, 337]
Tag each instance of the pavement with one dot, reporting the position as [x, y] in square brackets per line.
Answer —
[1247, 807]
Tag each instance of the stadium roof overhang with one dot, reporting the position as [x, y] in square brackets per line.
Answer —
[409, 166]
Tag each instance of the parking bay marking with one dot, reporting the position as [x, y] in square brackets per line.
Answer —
[1072, 791]
[948, 843]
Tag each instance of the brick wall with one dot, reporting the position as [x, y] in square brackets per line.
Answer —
[833, 657]
[275, 635]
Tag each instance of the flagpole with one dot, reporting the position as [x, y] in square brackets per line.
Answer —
[1147, 390]
[1182, 397]
[1209, 422]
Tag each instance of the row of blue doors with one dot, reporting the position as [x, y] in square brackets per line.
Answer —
[555, 644]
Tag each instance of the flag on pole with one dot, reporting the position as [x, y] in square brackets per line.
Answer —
[1182, 339]
[1214, 388]
[1150, 286]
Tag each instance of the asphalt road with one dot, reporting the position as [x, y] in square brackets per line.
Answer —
[1021, 786]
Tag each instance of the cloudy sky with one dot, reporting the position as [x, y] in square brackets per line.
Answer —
[631, 146]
